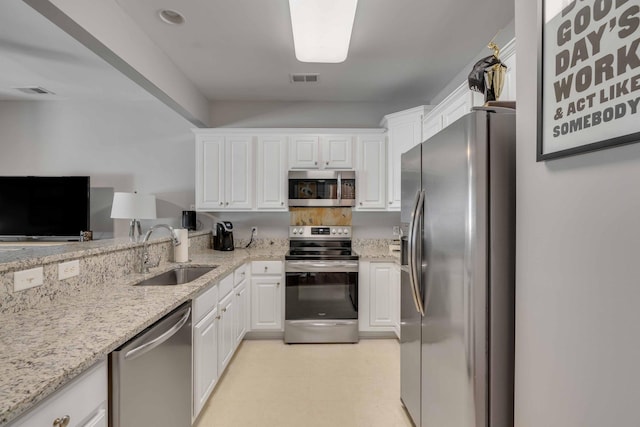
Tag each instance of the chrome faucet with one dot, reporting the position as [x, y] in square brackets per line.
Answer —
[145, 263]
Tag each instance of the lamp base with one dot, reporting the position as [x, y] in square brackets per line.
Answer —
[134, 230]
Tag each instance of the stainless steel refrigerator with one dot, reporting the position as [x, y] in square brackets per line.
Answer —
[458, 274]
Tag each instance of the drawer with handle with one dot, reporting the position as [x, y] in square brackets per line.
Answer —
[266, 267]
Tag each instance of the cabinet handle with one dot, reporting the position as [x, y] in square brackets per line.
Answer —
[220, 203]
[218, 317]
[390, 202]
[227, 203]
[278, 284]
[360, 203]
[62, 422]
[327, 163]
[265, 269]
[315, 163]
[242, 274]
[281, 203]
[224, 310]
[238, 294]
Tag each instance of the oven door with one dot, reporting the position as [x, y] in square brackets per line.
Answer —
[317, 290]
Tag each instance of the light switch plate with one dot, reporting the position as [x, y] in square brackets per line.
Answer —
[68, 269]
[26, 279]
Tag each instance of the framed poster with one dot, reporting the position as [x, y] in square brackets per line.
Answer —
[588, 75]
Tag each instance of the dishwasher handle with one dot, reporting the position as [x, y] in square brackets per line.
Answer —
[150, 345]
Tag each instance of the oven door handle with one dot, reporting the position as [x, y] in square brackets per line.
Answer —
[320, 267]
[321, 324]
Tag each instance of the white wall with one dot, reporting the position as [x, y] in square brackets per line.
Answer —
[125, 146]
[578, 252]
[301, 114]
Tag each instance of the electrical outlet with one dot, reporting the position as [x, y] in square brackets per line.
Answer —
[396, 230]
[68, 269]
[254, 231]
[26, 279]
[192, 207]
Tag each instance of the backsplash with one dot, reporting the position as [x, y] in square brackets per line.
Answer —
[320, 216]
[96, 269]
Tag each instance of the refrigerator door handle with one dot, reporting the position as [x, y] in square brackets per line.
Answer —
[411, 250]
[414, 236]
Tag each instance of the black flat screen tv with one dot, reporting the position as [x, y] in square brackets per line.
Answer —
[44, 206]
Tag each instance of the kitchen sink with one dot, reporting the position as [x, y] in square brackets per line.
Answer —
[177, 276]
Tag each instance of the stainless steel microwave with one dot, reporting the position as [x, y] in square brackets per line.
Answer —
[322, 188]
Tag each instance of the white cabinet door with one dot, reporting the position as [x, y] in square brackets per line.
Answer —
[382, 300]
[271, 181]
[337, 152]
[432, 124]
[266, 302]
[456, 106]
[226, 339]
[303, 152]
[239, 178]
[210, 170]
[371, 173]
[205, 359]
[224, 173]
[99, 420]
[83, 400]
[241, 311]
[402, 137]
[509, 88]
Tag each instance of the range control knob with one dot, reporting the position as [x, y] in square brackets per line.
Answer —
[345, 231]
[333, 231]
[294, 231]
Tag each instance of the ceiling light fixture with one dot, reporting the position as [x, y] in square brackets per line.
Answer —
[322, 29]
[171, 16]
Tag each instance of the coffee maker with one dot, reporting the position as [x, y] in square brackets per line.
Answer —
[223, 240]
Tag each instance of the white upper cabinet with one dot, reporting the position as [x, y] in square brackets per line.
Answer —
[404, 130]
[463, 99]
[304, 152]
[321, 152]
[271, 178]
[337, 152]
[508, 57]
[224, 172]
[371, 176]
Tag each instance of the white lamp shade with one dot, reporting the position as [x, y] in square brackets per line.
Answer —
[133, 206]
[322, 29]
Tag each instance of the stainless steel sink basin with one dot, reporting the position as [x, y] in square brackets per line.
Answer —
[177, 276]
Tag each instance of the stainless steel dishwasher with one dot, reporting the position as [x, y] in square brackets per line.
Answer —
[150, 376]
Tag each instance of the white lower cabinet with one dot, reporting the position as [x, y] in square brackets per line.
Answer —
[379, 295]
[241, 311]
[227, 338]
[220, 322]
[205, 359]
[267, 295]
[83, 402]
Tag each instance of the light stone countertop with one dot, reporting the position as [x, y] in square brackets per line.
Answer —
[378, 254]
[42, 348]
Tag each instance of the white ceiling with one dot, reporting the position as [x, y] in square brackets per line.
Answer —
[400, 49]
[35, 52]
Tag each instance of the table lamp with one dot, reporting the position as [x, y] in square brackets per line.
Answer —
[135, 207]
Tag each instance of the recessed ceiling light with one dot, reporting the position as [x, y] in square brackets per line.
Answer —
[171, 16]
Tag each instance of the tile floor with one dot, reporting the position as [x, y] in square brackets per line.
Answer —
[270, 383]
